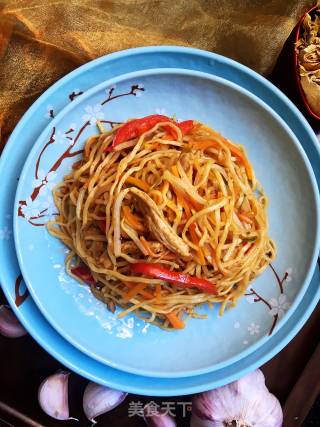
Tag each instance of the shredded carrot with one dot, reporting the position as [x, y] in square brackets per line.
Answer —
[181, 200]
[250, 214]
[167, 136]
[144, 293]
[206, 143]
[175, 321]
[184, 204]
[193, 234]
[169, 256]
[140, 290]
[154, 146]
[180, 195]
[213, 254]
[134, 291]
[147, 247]
[196, 239]
[196, 206]
[138, 183]
[244, 218]
[156, 197]
[212, 218]
[203, 144]
[205, 251]
[241, 156]
[175, 171]
[202, 260]
[132, 219]
[158, 293]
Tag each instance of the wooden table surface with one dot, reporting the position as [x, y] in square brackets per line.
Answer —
[293, 375]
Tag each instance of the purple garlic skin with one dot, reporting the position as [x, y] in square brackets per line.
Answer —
[98, 399]
[247, 402]
[157, 418]
[53, 396]
[9, 325]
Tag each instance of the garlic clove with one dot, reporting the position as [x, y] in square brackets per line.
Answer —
[98, 399]
[245, 402]
[53, 396]
[155, 418]
[9, 324]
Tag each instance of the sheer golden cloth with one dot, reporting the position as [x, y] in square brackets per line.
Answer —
[42, 40]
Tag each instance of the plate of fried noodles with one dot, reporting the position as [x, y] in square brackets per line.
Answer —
[175, 221]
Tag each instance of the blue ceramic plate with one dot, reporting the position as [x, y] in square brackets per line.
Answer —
[12, 160]
[280, 164]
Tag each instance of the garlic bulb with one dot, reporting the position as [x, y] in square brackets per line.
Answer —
[53, 396]
[98, 399]
[243, 403]
[9, 324]
[155, 418]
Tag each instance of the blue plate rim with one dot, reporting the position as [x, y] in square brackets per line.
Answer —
[164, 49]
[266, 90]
[24, 269]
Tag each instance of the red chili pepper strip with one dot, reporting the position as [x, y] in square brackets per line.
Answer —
[137, 127]
[180, 279]
[250, 247]
[185, 127]
[84, 274]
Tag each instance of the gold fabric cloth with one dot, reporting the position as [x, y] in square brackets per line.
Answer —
[42, 40]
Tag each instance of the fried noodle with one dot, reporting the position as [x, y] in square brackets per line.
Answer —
[189, 203]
